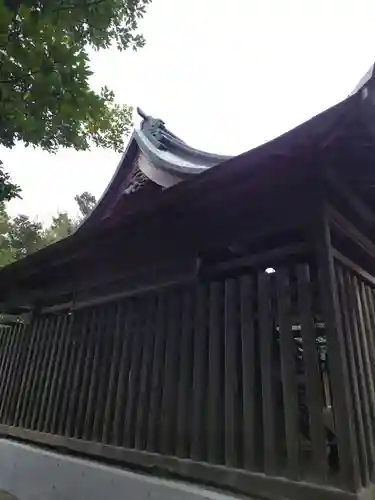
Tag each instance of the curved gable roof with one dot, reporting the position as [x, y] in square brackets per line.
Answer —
[154, 158]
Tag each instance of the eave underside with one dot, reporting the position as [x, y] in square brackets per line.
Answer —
[213, 210]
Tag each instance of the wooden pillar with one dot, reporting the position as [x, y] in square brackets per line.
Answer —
[337, 359]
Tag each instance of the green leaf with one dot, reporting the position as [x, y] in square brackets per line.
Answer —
[45, 96]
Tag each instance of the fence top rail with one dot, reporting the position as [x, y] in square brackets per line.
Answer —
[348, 263]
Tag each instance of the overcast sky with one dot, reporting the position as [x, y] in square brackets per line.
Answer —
[225, 75]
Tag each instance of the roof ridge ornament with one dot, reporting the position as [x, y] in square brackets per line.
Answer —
[153, 128]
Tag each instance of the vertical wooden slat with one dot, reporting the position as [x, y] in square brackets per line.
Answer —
[215, 421]
[3, 337]
[107, 338]
[37, 376]
[314, 388]
[266, 339]
[134, 375]
[248, 371]
[6, 360]
[13, 381]
[9, 372]
[47, 394]
[57, 388]
[185, 377]
[82, 338]
[337, 361]
[198, 410]
[366, 386]
[145, 377]
[288, 372]
[25, 336]
[6, 335]
[46, 344]
[94, 375]
[232, 370]
[34, 360]
[123, 377]
[4, 380]
[153, 434]
[29, 336]
[169, 393]
[72, 348]
[366, 344]
[353, 374]
[370, 322]
[360, 368]
[88, 358]
[113, 376]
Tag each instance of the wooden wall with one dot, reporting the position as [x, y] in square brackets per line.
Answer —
[226, 381]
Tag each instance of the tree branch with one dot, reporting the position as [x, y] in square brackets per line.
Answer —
[75, 6]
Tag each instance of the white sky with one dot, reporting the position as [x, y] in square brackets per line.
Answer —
[225, 75]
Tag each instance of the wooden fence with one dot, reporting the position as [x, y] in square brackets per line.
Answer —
[230, 374]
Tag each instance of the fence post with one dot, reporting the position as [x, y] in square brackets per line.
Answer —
[337, 359]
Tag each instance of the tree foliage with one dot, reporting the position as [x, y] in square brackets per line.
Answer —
[8, 190]
[86, 203]
[20, 236]
[45, 94]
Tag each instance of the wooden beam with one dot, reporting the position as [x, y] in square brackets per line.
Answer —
[339, 185]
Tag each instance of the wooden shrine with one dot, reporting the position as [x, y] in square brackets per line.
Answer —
[214, 318]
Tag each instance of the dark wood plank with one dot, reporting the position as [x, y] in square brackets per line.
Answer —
[5, 337]
[52, 420]
[256, 260]
[29, 336]
[132, 389]
[169, 391]
[198, 411]
[366, 328]
[153, 434]
[266, 339]
[360, 368]
[123, 377]
[47, 394]
[232, 370]
[337, 360]
[6, 381]
[345, 192]
[146, 372]
[353, 373]
[94, 375]
[46, 344]
[348, 263]
[7, 349]
[370, 308]
[27, 395]
[215, 421]
[72, 349]
[314, 389]
[88, 358]
[3, 333]
[288, 372]
[185, 377]
[363, 364]
[14, 381]
[250, 441]
[107, 338]
[82, 338]
[114, 373]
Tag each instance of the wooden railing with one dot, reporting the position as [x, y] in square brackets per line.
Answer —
[356, 293]
[225, 382]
